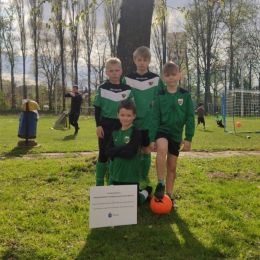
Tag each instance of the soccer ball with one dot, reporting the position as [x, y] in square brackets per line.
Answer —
[161, 206]
[238, 124]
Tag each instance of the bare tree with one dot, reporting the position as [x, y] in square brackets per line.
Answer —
[89, 30]
[159, 33]
[73, 11]
[111, 17]
[20, 13]
[10, 41]
[99, 58]
[50, 62]
[35, 24]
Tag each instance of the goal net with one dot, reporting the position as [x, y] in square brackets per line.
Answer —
[62, 122]
[241, 106]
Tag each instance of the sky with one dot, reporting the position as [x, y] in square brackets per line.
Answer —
[174, 18]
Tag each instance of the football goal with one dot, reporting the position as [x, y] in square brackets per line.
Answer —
[241, 111]
[62, 122]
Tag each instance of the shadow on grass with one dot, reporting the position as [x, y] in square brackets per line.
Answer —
[20, 151]
[154, 237]
[205, 130]
[69, 137]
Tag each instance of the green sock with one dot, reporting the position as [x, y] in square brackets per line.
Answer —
[110, 180]
[100, 173]
[145, 165]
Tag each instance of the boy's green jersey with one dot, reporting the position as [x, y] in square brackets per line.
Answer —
[144, 88]
[108, 97]
[127, 161]
[170, 113]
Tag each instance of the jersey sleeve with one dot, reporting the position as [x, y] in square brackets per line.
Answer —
[97, 99]
[190, 121]
[154, 119]
[124, 80]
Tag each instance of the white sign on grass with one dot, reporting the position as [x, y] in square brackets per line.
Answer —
[113, 206]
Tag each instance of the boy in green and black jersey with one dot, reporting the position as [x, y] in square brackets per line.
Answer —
[145, 84]
[124, 148]
[106, 101]
[172, 111]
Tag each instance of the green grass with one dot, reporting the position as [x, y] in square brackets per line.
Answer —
[213, 138]
[44, 213]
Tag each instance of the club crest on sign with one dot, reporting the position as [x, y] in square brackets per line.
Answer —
[180, 101]
[151, 83]
[127, 139]
[123, 95]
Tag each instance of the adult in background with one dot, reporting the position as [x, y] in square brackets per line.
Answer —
[76, 100]
[201, 112]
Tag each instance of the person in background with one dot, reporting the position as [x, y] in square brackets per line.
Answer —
[76, 100]
[219, 120]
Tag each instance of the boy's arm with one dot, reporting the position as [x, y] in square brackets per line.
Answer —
[126, 151]
[154, 120]
[130, 149]
[190, 121]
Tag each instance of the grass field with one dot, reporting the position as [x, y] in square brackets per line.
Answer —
[44, 201]
[213, 138]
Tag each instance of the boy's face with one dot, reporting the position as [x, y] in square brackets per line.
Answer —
[75, 90]
[126, 117]
[141, 64]
[172, 79]
[114, 73]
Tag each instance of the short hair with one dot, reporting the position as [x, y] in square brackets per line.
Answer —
[142, 51]
[200, 104]
[113, 61]
[127, 104]
[75, 86]
[169, 68]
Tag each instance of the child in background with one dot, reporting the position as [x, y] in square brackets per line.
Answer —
[124, 148]
[145, 84]
[172, 110]
[106, 101]
[201, 112]
[219, 120]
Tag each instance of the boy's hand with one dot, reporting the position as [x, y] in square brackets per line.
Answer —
[186, 146]
[153, 146]
[100, 132]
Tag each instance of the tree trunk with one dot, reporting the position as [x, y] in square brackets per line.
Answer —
[13, 85]
[135, 30]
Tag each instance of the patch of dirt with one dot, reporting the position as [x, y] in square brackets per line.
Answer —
[191, 154]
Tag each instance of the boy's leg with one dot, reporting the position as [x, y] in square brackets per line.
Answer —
[162, 150]
[144, 194]
[171, 173]
[172, 158]
[203, 122]
[75, 122]
[111, 165]
[101, 165]
[146, 159]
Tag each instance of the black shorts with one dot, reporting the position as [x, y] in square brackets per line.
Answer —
[173, 147]
[145, 138]
[201, 120]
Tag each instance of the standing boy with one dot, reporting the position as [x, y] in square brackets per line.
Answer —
[76, 99]
[172, 110]
[201, 112]
[145, 85]
[124, 147]
[106, 101]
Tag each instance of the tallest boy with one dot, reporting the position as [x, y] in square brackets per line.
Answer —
[145, 85]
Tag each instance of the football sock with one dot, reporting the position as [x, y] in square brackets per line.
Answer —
[161, 181]
[169, 194]
[144, 194]
[110, 180]
[100, 173]
[145, 165]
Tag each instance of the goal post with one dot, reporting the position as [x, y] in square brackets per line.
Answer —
[241, 106]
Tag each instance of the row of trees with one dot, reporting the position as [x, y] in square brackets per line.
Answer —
[217, 41]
